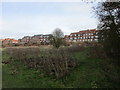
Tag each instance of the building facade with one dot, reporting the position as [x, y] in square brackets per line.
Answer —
[81, 36]
[9, 41]
[36, 39]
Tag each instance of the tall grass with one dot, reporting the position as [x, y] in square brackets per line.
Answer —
[57, 62]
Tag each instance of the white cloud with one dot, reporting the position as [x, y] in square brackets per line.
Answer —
[59, 0]
[82, 9]
[21, 26]
[48, 0]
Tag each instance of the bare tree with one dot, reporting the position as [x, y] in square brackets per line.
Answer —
[58, 33]
[57, 38]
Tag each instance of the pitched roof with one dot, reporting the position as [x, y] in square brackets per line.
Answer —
[75, 33]
[14, 40]
[2, 39]
[8, 39]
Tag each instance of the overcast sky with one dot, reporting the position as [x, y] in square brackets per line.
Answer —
[21, 19]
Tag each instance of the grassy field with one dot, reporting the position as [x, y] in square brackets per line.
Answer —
[90, 72]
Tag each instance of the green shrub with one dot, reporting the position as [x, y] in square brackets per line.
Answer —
[54, 61]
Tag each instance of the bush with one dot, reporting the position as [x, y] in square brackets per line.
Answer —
[57, 62]
[96, 50]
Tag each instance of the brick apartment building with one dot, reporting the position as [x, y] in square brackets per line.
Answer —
[8, 41]
[39, 39]
[81, 36]
[2, 40]
[24, 39]
[36, 38]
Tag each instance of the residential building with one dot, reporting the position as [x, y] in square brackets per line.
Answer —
[36, 39]
[46, 38]
[25, 39]
[9, 41]
[81, 36]
[67, 38]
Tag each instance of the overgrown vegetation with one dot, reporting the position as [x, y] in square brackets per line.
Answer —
[53, 61]
[84, 66]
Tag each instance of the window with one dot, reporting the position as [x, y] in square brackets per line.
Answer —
[96, 36]
[96, 39]
[91, 36]
[70, 38]
[75, 38]
[74, 34]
